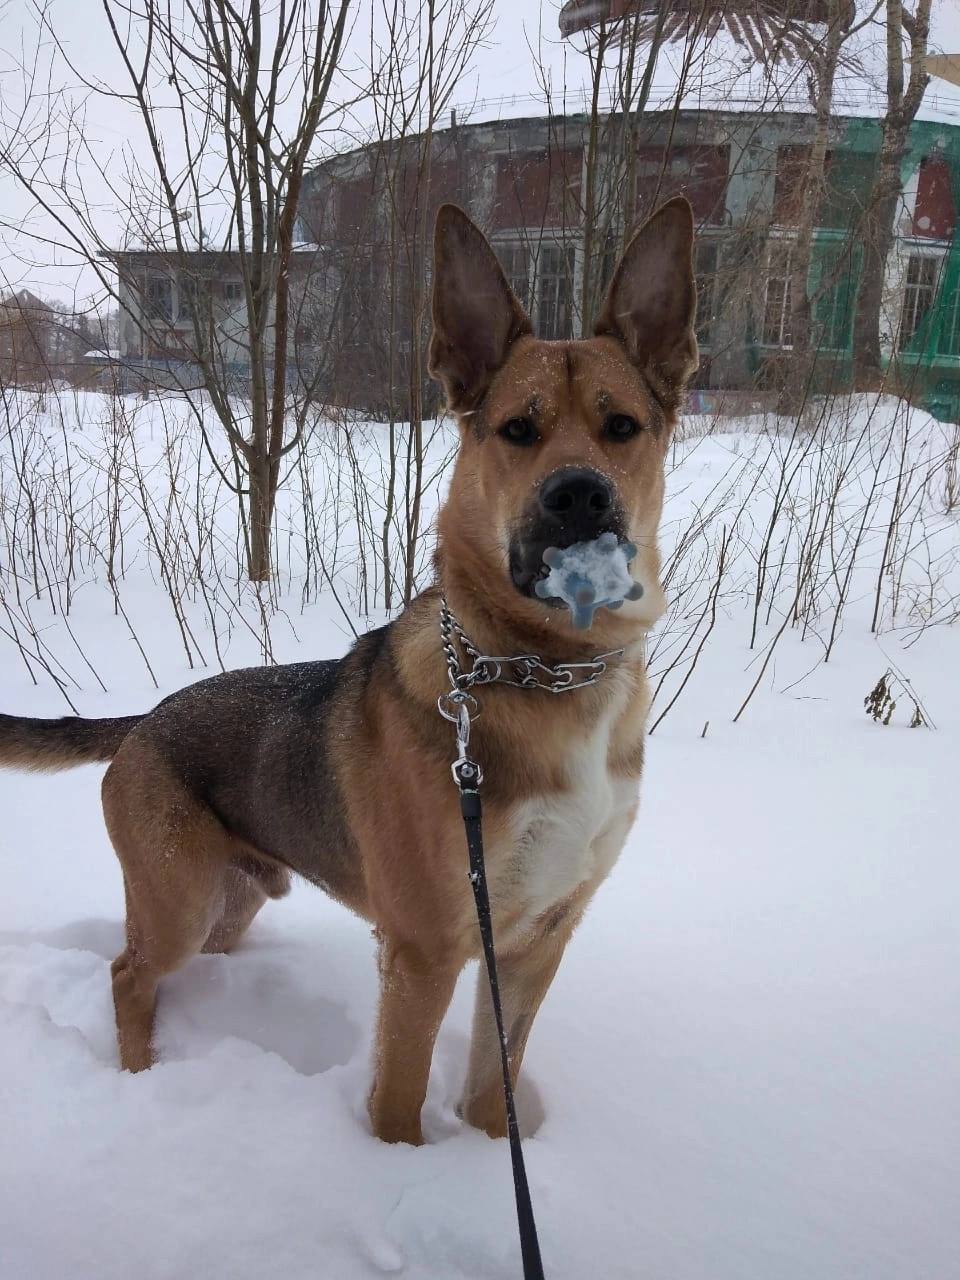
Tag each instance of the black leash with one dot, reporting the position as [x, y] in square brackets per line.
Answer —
[468, 777]
[522, 671]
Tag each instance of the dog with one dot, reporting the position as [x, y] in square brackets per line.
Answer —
[339, 771]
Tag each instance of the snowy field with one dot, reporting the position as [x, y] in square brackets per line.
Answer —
[747, 1066]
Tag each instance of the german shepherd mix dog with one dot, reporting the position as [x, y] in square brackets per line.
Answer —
[339, 771]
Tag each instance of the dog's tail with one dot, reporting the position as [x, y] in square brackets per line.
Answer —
[48, 745]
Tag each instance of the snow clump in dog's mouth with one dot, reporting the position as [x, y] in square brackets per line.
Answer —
[588, 576]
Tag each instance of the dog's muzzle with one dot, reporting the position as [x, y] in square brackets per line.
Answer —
[575, 504]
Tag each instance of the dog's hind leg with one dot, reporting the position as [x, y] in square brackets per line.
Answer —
[244, 895]
[175, 856]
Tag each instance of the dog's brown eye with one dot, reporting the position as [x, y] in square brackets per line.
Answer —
[519, 431]
[619, 427]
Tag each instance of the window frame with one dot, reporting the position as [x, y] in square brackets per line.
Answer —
[705, 324]
[950, 349]
[522, 258]
[777, 243]
[936, 256]
[561, 279]
[153, 311]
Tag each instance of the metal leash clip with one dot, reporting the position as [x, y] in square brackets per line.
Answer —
[467, 774]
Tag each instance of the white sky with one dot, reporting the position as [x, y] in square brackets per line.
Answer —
[504, 79]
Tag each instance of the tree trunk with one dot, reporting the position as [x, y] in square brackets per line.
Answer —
[879, 222]
[800, 367]
[262, 500]
[631, 195]
[878, 240]
[588, 283]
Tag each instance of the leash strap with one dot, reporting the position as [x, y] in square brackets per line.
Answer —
[467, 779]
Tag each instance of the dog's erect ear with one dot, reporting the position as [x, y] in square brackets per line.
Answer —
[652, 300]
[476, 316]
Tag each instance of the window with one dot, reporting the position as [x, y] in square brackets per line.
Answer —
[355, 205]
[193, 296]
[776, 300]
[950, 331]
[835, 272]
[542, 278]
[232, 292]
[159, 298]
[516, 267]
[708, 257]
[923, 271]
[555, 291]
[608, 262]
[850, 177]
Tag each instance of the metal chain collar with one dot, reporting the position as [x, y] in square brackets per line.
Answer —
[524, 671]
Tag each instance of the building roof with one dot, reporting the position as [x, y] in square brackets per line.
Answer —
[22, 301]
[712, 72]
[772, 30]
[945, 66]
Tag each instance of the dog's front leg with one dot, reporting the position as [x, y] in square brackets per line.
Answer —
[415, 990]
[525, 976]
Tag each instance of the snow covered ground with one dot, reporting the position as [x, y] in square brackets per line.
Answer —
[747, 1066]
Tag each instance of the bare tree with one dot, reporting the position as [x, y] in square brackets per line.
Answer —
[420, 53]
[811, 189]
[904, 95]
[230, 99]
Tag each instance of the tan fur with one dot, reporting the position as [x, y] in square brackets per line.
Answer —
[562, 772]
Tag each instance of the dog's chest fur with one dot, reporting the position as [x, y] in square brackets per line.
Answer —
[559, 840]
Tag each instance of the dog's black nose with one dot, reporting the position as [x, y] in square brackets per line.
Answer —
[576, 493]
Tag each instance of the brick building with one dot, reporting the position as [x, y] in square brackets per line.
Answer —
[40, 341]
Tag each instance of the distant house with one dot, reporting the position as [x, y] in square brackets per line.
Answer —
[40, 341]
[180, 311]
[175, 307]
[548, 192]
[524, 182]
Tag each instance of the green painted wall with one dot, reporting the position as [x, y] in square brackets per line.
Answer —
[931, 359]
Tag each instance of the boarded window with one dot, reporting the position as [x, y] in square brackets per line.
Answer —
[935, 215]
[848, 178]
[538, 189]
[698, 172]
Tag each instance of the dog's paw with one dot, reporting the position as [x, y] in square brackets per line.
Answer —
[388, 1126]
[486, 1113]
